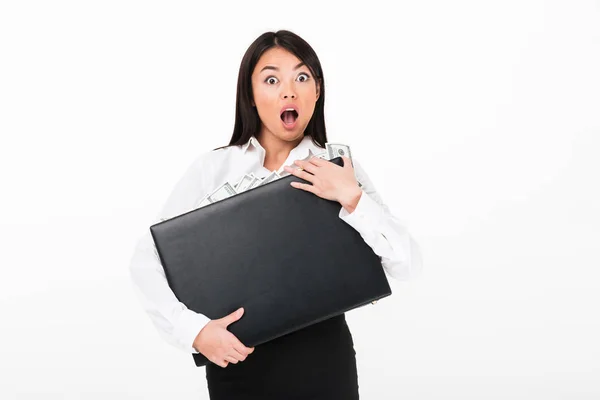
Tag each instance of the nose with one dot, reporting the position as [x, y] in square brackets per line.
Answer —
[288, 92]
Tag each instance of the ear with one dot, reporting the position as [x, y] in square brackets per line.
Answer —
[318, 89]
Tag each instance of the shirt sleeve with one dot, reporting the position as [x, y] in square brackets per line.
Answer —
[388, 237]
[177, 324]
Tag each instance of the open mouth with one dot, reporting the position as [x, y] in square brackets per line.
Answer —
[289, 117]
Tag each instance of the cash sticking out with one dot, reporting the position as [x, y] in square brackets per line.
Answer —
[270, 178]
[222, 192]
[251, 181]
[247, 181]
[338, 150]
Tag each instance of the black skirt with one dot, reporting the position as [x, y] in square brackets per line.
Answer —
[313, 363]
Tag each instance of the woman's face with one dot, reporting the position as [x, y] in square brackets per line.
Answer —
[279, 81]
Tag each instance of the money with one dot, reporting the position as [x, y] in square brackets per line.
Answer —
[337, 150]
[244, 183]
[270, 178]
[253, 183]
[256, 182]
[237, 184]
[250, 181]
[204, 202]
[222, 192]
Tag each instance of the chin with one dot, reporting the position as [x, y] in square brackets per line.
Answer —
[290, 134]
[295, 135]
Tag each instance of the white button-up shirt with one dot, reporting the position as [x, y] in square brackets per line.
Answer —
[399, 253]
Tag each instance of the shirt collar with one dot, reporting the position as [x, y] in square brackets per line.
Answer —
[248, 143]
[302, 150]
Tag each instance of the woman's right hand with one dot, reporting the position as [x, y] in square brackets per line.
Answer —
[219, 345]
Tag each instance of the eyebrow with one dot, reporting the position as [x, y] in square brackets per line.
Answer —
[277, 69]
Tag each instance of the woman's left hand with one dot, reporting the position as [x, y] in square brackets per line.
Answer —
[329, 181]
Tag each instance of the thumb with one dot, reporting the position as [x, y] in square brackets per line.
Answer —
[234, 316]
[347, 162]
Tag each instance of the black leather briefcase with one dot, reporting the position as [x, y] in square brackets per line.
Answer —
[280, 252]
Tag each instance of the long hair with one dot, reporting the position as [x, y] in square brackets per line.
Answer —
[247, 120]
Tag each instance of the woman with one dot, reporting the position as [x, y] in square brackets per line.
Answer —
[279, 126]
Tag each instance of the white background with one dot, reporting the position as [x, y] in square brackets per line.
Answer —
[478, 122]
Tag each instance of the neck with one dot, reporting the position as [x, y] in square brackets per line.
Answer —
[276, 149]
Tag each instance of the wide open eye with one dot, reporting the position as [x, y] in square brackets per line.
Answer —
[271, 80]
[306, 75]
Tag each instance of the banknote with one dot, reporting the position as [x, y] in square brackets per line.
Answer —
[337, 150]
[256, 182]
[253, 183]
[237, 183]
[244, 183]
[222, 192]
[204, 201]
[270, 178]
[249, 181]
